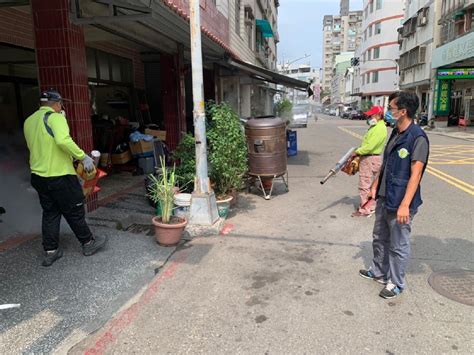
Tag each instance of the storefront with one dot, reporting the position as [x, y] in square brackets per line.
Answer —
[453, 64]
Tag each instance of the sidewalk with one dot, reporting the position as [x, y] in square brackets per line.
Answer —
[284, 280]
[62, 304]
[466, 133]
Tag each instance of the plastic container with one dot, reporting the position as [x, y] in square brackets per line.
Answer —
[147, 165]
[292, 143]
[182, 204]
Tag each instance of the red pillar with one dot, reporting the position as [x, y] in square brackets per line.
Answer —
[170, 99]
[61, 60]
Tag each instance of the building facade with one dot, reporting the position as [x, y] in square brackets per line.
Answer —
[416, 46]
[304, 73]
[338, 81]
[341, 33]
[379, 49]
[453, 62]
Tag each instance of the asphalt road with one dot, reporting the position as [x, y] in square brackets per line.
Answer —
[284, 279]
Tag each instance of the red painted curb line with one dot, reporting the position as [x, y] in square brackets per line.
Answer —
[117, 325]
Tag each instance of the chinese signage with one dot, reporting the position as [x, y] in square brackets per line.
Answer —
[456, 73]
[459, 49]
[441, 97]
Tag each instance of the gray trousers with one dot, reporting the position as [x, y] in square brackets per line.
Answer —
[391, 245]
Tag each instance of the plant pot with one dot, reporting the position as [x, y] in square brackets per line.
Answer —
[223, 206]
[234, 195]
[169, 235]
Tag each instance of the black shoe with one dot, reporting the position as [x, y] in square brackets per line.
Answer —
[51, 257]
[94, 245]
[390, 291]
[367, 274]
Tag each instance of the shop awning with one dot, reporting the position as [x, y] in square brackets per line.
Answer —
[267, 75]
[265, 27]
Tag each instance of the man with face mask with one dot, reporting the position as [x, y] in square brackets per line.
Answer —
[370, 160]
[53, 176]
[398, 194]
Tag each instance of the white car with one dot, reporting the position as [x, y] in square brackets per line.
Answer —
[301, 114]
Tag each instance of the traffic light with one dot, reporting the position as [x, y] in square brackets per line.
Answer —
[355, 61]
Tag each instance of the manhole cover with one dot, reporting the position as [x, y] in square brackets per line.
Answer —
[457, 285]
[139, 229]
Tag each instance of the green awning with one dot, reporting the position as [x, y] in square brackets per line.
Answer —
[265, 27]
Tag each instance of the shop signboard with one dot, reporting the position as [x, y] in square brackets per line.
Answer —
[455, 73]
[455, 51]
[441, 97]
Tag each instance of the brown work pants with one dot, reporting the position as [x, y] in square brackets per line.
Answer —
[368, 169]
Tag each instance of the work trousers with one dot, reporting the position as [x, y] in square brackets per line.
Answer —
[61, 196]
[369, 167]
[390, 244]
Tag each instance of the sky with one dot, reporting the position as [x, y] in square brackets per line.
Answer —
[300, 26]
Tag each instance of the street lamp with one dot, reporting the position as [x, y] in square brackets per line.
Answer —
[293, 61]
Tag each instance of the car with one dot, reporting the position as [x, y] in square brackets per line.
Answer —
[346, 114]
[357, 115]
[332, 112]
[301, 114]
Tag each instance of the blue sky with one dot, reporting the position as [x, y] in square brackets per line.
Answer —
[300, 28]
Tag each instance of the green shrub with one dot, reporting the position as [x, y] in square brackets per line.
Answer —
[185, 159]
[284, 109]
[227, 148]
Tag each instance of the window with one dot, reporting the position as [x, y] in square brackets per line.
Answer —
[378, 28]
[375, 77]
[369, 53]
[377, 53]
[378, 5]
[372, 6]
[365, 35]
[237, 17]
[370, 31]
[363, 79]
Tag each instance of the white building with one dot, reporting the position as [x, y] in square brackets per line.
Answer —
[338, 84]
[341, 33]
[379, 49]
[304, 73]
[416, 48]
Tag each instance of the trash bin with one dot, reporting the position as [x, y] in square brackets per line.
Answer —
[292, 145]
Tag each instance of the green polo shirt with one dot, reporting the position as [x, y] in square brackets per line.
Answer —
[50, 157]
[374, 140]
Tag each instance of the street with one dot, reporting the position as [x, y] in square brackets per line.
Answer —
[285, 278]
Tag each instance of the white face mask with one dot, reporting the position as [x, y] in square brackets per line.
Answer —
[62, 112]
[371, 121]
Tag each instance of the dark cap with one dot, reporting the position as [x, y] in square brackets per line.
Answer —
[51, 95]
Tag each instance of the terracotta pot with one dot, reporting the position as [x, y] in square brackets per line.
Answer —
[168, 235]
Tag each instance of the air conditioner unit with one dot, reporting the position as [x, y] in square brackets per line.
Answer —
[423, 21]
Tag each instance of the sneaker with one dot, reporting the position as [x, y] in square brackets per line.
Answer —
[367, 274]
[390, 291]
[51, 256]
[360, 214]
[94, 245]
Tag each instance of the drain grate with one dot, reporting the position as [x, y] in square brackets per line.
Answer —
[140, 229]
[457, 285]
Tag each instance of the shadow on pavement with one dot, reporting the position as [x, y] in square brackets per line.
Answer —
[429, 254]
[302, 158]
[346, 200]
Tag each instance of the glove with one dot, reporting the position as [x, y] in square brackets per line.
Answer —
[88, 163]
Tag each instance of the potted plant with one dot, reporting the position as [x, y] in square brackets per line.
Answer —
[227, 153]
[168, 228]
[184, 157]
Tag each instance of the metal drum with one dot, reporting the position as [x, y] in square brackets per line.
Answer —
[266, 144]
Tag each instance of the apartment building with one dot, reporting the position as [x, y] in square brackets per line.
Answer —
[379, 49]
[341, 33]
[253, 31]
[416, 47]
[453, 62]
[338, 81]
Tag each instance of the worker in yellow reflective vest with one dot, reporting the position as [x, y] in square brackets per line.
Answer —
[52, 151]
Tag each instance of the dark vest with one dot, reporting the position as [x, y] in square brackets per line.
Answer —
[397, 166]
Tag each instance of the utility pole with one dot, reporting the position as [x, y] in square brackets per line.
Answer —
[203, 202]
